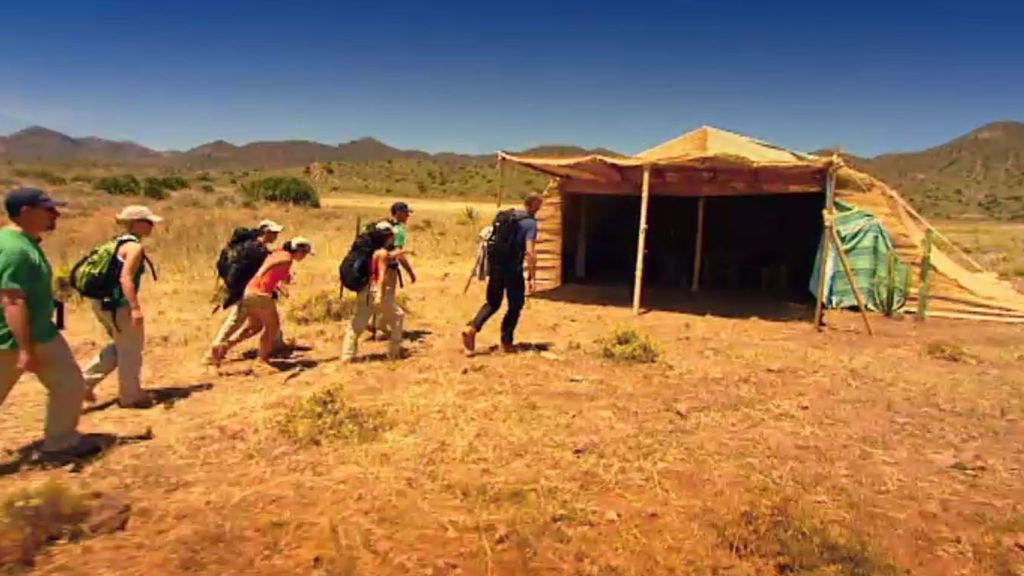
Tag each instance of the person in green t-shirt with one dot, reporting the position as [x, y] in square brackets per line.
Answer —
[400, 212]
[123, 318]
[29, 339]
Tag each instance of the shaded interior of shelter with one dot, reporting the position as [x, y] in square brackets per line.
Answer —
[758, 252]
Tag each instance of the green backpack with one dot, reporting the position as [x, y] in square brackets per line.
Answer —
[97, 274]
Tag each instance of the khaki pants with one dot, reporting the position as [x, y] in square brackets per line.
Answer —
[393, 320]
[60, 374]
[388, 300]
[124, 354]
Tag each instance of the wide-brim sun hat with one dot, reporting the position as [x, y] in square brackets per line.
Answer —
[270, 226]
[136, 212]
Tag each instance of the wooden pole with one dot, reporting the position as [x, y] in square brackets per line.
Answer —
[926, 274]
[645, 195]
[853, 283]
[501, 180]
[827, 220]
[581, 240]
[699, 245]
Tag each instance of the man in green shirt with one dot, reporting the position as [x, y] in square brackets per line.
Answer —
[400, 212]
[29, 340]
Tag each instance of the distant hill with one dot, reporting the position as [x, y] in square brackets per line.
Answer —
[980, 172]
[42, 145]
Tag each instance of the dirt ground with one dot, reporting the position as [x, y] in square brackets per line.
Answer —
[752, 446]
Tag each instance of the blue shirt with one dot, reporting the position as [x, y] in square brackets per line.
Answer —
[527, 228]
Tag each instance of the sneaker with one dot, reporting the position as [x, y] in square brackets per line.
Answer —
[86, 447]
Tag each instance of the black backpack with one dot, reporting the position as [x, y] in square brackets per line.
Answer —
[354, 271]
[504, 250]
[239, 261]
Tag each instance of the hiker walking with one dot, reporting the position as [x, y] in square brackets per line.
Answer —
[512, 239]
[363, 271]
[120, 312]
[258, 302]
[29, 337]
[236, 266]
[400, 212]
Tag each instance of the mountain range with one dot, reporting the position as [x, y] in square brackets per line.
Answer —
[980, 172]
[44, 146]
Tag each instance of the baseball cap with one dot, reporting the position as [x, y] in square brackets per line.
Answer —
[384, 226]
[27, 198]
[136, 212]
[400, 207]
[270, 226]
[300, 242]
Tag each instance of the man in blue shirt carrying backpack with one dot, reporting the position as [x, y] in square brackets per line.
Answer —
[511, 245]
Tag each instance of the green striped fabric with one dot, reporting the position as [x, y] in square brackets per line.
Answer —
[883, 280]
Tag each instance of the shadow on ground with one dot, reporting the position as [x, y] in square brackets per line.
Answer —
[30, 457]
[165, 397]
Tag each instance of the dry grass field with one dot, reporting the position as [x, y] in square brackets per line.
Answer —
[748, 446]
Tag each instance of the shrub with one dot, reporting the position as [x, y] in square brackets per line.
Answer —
[83, 178]
[124, 185]
[323, 307]
[173, 182]
[324, 417]
[470, 215]
[208, 188]
[44, 175]
[628, 345]
[154, 188]
[282, 189]
[32, 517]
[949, 351]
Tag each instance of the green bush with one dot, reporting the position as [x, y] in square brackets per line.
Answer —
[282, 189]
[173, 183]
[124, 185]
[324, 416]
[44, 175]
[628, 345]
[154, 188]
[208, 188]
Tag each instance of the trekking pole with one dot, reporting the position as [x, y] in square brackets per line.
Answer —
[472, 272]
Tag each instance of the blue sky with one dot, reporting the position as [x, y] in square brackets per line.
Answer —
[475, 76]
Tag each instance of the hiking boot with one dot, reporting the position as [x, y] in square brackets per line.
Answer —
[508, 348]
[469, 341]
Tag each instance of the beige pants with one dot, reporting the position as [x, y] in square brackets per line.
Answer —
[388, 300]
[123, 354]
[60, 374]
[393, 320]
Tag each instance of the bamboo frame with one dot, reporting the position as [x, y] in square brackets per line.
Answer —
[699, 245]
[926, 274]
[645, 197]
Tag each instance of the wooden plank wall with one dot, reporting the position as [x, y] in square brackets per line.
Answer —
[549, 239]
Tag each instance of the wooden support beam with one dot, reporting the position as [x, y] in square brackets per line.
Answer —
[581, 240]
[645, 197]
[501, 179]
[699, 245]
[825, 259]
[853, 282]
[926, 274]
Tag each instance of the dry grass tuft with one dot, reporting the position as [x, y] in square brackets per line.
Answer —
[629, 345]
[322, 307]
[324, 417]
[34, 516]
[949, 351]
[786, 539]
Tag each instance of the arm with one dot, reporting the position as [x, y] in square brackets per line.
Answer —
[381, 258]
[531, 265]
[132, 260]
[404, 263]
[17, 317]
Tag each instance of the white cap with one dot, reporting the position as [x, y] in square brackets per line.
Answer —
[385, 226]
[270, 226]
[135, 212]
[300, 241]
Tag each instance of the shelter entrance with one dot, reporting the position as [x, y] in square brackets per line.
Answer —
[757, 245]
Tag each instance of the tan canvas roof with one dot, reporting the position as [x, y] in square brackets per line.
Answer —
[705, 148]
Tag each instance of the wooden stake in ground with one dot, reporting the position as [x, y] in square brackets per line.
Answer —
[501, 180]
[645, 196]
[853, 283]
[926, 273]
[699, 245]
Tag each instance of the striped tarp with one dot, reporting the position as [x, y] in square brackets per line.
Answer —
[882, 280]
